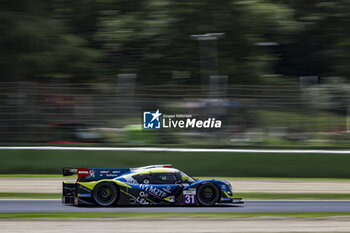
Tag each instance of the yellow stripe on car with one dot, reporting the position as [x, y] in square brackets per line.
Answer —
[66, 182]
[92, 184]
[229, 196]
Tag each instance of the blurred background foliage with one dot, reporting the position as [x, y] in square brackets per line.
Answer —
[93, 40]
[61, 63]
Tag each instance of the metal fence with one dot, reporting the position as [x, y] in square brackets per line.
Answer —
[52, 112]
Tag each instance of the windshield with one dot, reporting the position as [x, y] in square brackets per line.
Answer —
[189, 178]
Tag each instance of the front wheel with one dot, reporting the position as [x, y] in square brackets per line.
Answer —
[208, 194]
[105, 194]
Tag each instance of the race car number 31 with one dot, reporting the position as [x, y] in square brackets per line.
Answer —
[189, 197]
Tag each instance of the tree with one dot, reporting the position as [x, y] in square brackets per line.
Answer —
[34, 44]
[322, 47]
[153, 38]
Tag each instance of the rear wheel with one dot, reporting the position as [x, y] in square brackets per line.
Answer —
[105, 194]
[208, 194]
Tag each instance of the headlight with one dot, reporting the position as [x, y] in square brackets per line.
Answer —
[229, 186]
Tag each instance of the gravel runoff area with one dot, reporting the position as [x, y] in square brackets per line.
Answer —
[54, 185]
[189, 225]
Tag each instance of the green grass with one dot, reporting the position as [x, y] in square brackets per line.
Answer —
[245, 196]
[293, 145]
[31, 175]
[171, 215]
[193, 163]
[31, 195]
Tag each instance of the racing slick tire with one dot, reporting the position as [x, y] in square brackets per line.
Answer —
[105, 194]
[208, 194]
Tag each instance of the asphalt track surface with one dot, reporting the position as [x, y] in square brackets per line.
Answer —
[55, 206]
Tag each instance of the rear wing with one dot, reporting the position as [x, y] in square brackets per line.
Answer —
[91, 174]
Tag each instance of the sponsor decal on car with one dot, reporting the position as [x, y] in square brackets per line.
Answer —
[84, 195]
[142, 198]
[152, 190]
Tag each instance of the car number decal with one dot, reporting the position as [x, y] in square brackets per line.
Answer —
[189, 197]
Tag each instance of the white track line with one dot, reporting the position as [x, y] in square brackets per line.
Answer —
[174, 149]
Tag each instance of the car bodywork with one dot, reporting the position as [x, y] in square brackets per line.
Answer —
[143, 186]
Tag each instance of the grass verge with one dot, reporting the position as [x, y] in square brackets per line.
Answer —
[30, 195]
[30, 176]
[194, 163]
[170, 215]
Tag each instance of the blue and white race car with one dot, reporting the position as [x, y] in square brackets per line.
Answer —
[143, 186]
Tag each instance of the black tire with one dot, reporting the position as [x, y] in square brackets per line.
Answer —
[208, 194]
[105, 194]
